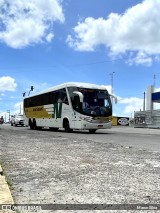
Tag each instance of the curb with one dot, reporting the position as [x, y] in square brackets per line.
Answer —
[6, 199]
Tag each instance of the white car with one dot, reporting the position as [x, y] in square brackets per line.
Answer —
[17, 120]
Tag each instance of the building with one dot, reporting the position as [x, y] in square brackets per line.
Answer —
[149, 118]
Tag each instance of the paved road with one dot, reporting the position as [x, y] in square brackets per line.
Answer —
[121, 165]
[126, 136]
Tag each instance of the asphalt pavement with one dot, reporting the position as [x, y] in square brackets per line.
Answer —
[47, 167]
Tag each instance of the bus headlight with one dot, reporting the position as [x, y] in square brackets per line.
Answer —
[87, 118]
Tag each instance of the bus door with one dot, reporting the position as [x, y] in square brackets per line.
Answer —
[77, 106]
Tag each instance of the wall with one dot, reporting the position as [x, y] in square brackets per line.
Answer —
[120, 121]
[147, 119]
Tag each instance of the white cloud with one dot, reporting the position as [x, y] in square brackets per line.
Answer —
[7, 84]
[18, 108]
[49, 37]
[28, 22]
[125, 106]
[141, 58]
[131, 104]
[137, 30]
[157, 89]
[109, 88]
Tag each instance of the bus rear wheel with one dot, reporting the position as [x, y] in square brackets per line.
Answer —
[32, 124]
[92, 131]
[67, 126]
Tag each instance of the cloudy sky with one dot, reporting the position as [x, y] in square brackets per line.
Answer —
[48, 42]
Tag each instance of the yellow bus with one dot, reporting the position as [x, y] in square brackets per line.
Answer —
[73, 105]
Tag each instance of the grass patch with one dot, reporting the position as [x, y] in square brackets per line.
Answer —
[2, 163]
[8, 180]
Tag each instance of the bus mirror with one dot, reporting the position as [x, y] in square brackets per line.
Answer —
[80, 95]
[115, 99]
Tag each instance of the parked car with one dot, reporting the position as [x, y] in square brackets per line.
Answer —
[17, 120]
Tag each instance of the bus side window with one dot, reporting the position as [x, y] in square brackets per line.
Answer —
[30, 103]
[26, 103]
[65, 100]
[62, 96]
[76, 103]
[53, 97]
[106, 103]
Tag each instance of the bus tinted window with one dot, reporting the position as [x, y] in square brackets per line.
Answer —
[62, 96]
[95, 102]
[47, 98]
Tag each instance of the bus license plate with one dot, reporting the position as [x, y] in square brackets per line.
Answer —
[99, 126]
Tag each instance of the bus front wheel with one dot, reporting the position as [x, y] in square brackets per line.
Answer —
[54, 128]
[66, 125]
[92, 131]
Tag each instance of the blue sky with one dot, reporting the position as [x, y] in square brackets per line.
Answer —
[48, 42]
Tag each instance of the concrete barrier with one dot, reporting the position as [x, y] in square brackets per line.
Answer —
[5, 195]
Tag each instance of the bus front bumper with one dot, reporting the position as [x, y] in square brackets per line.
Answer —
[89, 125]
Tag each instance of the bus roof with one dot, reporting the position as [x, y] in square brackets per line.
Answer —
[72, 84]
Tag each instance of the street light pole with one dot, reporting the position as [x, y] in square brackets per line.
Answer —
[144, 100]
[154, 81]
[32, 88]
[111, 74]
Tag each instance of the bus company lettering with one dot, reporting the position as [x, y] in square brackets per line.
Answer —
[37, 109]
[57, 110]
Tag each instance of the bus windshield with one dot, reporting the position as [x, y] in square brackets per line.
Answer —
[95, 102]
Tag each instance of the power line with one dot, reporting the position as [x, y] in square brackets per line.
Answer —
[86, 64]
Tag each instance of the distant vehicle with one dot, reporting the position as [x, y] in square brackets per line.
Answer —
[17, 120]
[1, 120]
[12, 120]
[63, 106]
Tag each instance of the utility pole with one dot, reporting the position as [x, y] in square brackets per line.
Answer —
[144, 100]
[20, 109]
[8, 111]
[154, 86]
[111, 74]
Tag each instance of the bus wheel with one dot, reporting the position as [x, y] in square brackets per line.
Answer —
[30, 124]
[66, 125]
[92, 131]
[34, 125]
[53, 128]
[38, 127]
